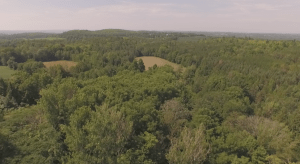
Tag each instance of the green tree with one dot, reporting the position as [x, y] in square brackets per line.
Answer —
[190, 147]
[57, 102]
[100, 139]
[30, 66]
[141, 65]
[12, 64]
[2, 87]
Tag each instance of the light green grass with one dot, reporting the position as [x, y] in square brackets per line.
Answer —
[65, 64]
[5, 72]
[149, 61]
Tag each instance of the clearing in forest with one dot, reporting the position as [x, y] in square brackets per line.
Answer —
[64, 63]
[149, 61]
[6, 72]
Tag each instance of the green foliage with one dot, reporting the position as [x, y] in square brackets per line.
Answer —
[141, 65]
[190, 147]
[12, 64]
[3, 87]
[7, 150]
[58, 102]
[236, 101]
[28, 138]
[252, 140]
[24, 88]
[94, 140]
[174, 116]
[30, 66]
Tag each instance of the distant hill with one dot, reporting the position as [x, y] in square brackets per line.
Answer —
[10, 32]
[186, 35]
[78, 34]
[27, 36]
[265, 36]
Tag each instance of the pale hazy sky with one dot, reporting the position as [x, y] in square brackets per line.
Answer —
[274, 16]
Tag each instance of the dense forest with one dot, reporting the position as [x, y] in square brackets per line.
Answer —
[234, 100]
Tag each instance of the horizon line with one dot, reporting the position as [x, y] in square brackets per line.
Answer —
[66, 30]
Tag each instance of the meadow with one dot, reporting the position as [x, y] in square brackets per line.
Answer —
[149, 61]
[64, 63]
[5, 72]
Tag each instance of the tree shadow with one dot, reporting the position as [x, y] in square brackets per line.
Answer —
[6, 149]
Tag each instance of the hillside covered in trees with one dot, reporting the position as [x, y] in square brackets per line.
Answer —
[235, 100]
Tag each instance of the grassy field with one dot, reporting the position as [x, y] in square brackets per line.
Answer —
[149, 61]
[64, 63]
[5, 72]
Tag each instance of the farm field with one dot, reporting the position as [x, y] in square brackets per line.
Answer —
[63, 63]
[5, 72]
[149, 61]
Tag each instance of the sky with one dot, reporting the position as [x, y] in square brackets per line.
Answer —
[255, 16]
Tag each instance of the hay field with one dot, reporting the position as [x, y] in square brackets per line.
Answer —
[5, 72]
[149, 61]
[65, 64]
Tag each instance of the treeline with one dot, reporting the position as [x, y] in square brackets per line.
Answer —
[236, 102]
[26, 36]
[38, 50]
[81, 34]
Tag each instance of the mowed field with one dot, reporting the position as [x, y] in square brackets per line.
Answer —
[5, 72]
[65, 64]
[149, 61]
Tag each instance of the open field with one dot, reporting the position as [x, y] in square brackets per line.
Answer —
[5, 72]
[149, 61]
[63, 63]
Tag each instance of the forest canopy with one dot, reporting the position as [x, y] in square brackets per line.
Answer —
[231, 99]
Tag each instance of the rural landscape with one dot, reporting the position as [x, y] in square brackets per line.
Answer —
[132, 97]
